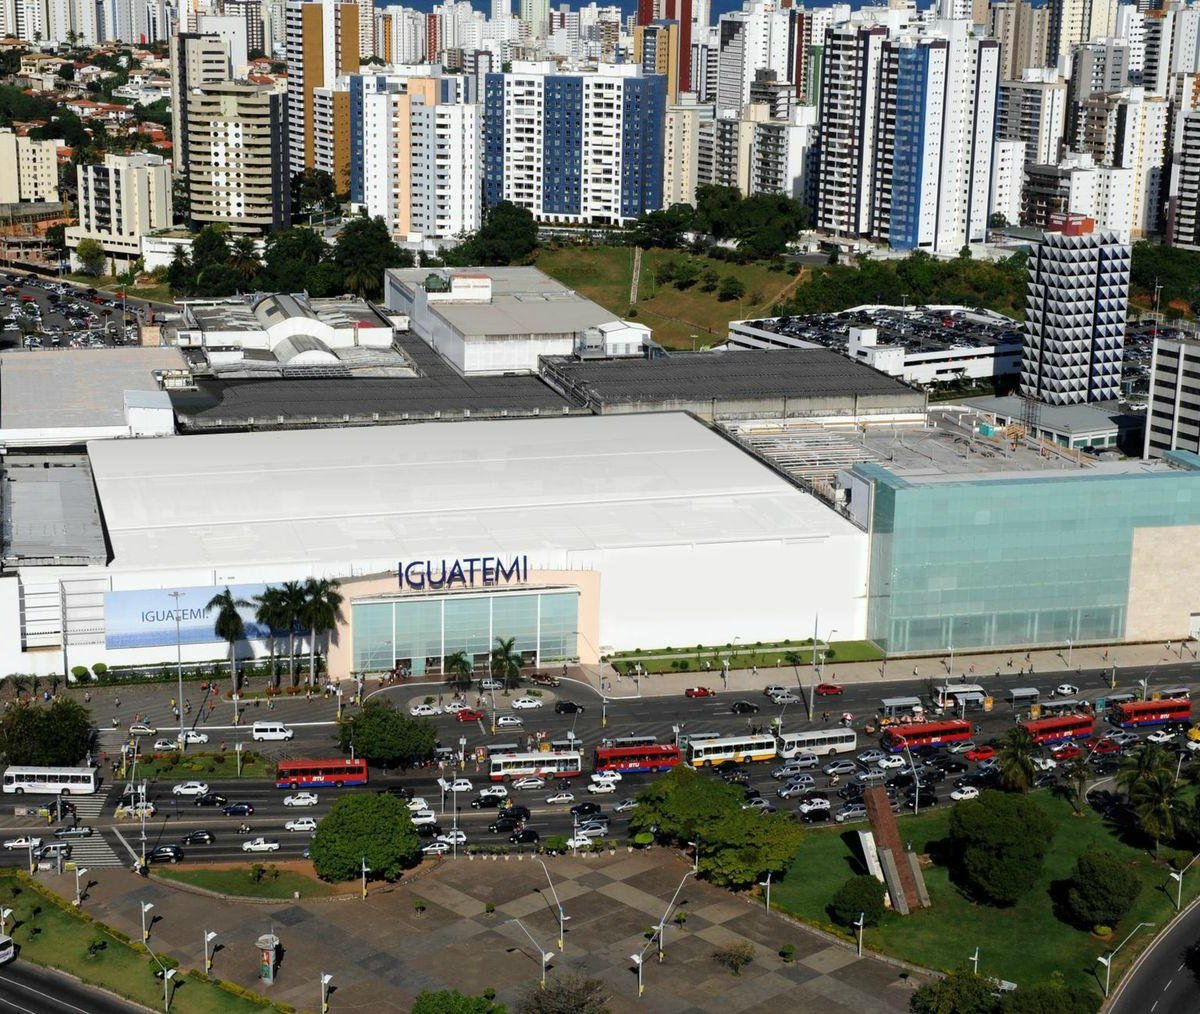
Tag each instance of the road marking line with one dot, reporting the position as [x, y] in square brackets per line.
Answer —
[121, 838]
[1168, 985]
[30, 989]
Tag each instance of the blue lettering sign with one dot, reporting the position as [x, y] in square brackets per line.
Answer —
[466, 572]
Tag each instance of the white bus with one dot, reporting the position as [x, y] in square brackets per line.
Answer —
[951, 694]
[819, 741]
[50, 781]
[731, 748]
[552, 763]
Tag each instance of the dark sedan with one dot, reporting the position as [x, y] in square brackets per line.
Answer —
[210, 799]
[199, 838]
[744, 708]
[237, 810]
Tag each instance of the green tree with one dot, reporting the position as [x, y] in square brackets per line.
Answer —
[999, 841]
[218, 280]
[269, 613]
[181, 276]
[1076, 778]
[230, 628]
[506, 661]
[746, 846]
[1155, 802]
[857, 895]
[1149, 759]
[373, 826]
[364, 251]
[730, 288]
[386, 736]
[290, 256]
[716, 210]
[960, 992]
[243, 259]
[291, 609]
[312, 193]
[508, 235]
[59, 734]
[460, 666]
[451, 1001]
[566, 994]
[1016, 753]
[210, 248]
[91, 256]
[1053, 997]
[664, 228]
[1102, 889]
[320, 615]
[682, 804]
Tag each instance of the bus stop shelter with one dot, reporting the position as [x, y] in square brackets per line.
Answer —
[1023, 696]
[969, 699]
[1062, 707]
[894, 707]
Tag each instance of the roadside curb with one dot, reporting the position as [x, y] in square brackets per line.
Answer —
[1130, 972]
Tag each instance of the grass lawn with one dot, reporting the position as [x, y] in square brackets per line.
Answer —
[1024, 944]
[740, 657]
[603, 273]
[187, 766]
[110, 283]
[238, 880]
[49, 935]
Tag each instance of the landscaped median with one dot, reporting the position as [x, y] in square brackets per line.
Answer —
[1027, 942]
[704, 658]
[49, 932]
[259, 880]
[176, 765]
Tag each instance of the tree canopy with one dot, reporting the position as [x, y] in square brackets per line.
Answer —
[999, 841]
[386, 736]
[58, 734]
[363, 251]
[366, 825]
[857, 895]
[1102, 889]
[451, 1001]
[509, 235]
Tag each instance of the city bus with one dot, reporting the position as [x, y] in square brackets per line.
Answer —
[631, 741]
[1134, 713]
[732, 748]
[21, 778]
[335, 772]
[1060, 728]
[819, 741]
[652, 757]
[547, 763]
[920, 734]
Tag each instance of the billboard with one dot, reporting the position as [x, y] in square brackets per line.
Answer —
[146, 618]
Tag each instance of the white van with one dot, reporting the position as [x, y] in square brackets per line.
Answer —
[261, 731]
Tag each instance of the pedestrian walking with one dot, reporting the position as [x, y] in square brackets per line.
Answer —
[116, 702]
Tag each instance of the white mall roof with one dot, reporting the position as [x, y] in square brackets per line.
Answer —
[433, 490]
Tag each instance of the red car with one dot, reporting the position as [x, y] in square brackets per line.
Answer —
[699, 692]
[981, 753]
[828, 689]
[1066, 752]
[1106, 746]
[469, 715]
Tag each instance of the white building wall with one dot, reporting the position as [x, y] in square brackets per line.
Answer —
[1008, 174]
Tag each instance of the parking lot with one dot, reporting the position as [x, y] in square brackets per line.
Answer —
[40, 314]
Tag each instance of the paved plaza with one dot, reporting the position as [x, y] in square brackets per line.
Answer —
[382, 951]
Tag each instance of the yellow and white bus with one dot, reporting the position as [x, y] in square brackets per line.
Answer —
[731, 748]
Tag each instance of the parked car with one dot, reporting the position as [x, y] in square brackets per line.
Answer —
[544, 679]
[966, 792]
[851, 811]
[491, 685]
[424, 710]
[744, 708]
[525, 703]
[828, 690]
[1065, 690]
[606, 776]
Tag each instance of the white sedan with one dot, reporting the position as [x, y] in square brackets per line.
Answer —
[523, 703]
[966, 792]
[260, 845]
[420, 817]
[597, 788]
[300, 799]
[1065, 690]
[892, 760]
[524, 782]
[165, 744]
[580, 842]
[435, 848]
[192, 736]
[418, 803]
[963, 747]
[1160, 737]
[560, 797]
[1045, 763]
[301, 824]
[462, 785]
[190, 788]
[606, 776]
[510, 721]
[421, 710]
[454, 707]
[142, 729]
[500, 792]
[24, 842]
[453, 838]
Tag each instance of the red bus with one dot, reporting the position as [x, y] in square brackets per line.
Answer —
[339, 771]
[654, 757]
[1060, 728]
[1133, 713]
[919, 734]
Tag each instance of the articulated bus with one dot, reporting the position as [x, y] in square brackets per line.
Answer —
[1060, 728]
[653, 757]
[819, 741]
[1134, 713]
[21, 778]
[546, 763]
[732, 748]
[335, 772]
[919, 734]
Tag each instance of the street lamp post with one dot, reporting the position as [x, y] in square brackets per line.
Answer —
[545, 956]
[1178, 878]
[80, 871]
[859, 923]
[912, 769]
[562, 916]
[4, 915]
[1069, 646]
[1107, 961]
[696, 854]
[767, 884]
[818, 671]
[975, 960]
[177, 595]
[662, 923]
[209, 937]
[146, 906]
[637, 960]
[326, 979]
[365, 870]
[168, 975]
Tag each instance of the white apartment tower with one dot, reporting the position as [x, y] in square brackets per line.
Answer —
[120, 201]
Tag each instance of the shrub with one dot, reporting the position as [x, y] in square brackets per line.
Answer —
[735, 957]
[557, 843]
[99, 669]
[999, 841]
[418, 906]
[79, 671]
[858, 894]
[788, 953]
[1102, 889]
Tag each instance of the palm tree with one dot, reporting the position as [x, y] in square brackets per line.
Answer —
[269, 612]
[461, 665]
[360, 279]
[19, 683]
[243, 258]
[1154, 798]
[321, 613]
[1076, 777]
[506, 661]
[291, 609]
[1149, 760]
[1017, 750]
[229, 627]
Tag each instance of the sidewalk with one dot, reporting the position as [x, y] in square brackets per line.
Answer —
[605, 679]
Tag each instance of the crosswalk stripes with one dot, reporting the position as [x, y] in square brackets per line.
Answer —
[94, 852]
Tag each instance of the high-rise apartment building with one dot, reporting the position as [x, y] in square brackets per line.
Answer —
[121, 200]
[656, 51]
[323, 42]
[1183, 202]
[1077, 186]
[1173, 413]
[1075, 308]
[1073, 22]
[1008, 176]
[28, 168]
[196, 60]
[252, 15]
[1022, 31]
[758, 37]
[581, 147]
[1034, 110]
[1097, 68]
[681, 151]
[238, 173]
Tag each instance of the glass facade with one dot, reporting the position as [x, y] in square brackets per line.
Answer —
[419, 631]
[1012, 561]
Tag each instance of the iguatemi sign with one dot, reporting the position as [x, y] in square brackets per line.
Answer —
[466, 572]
